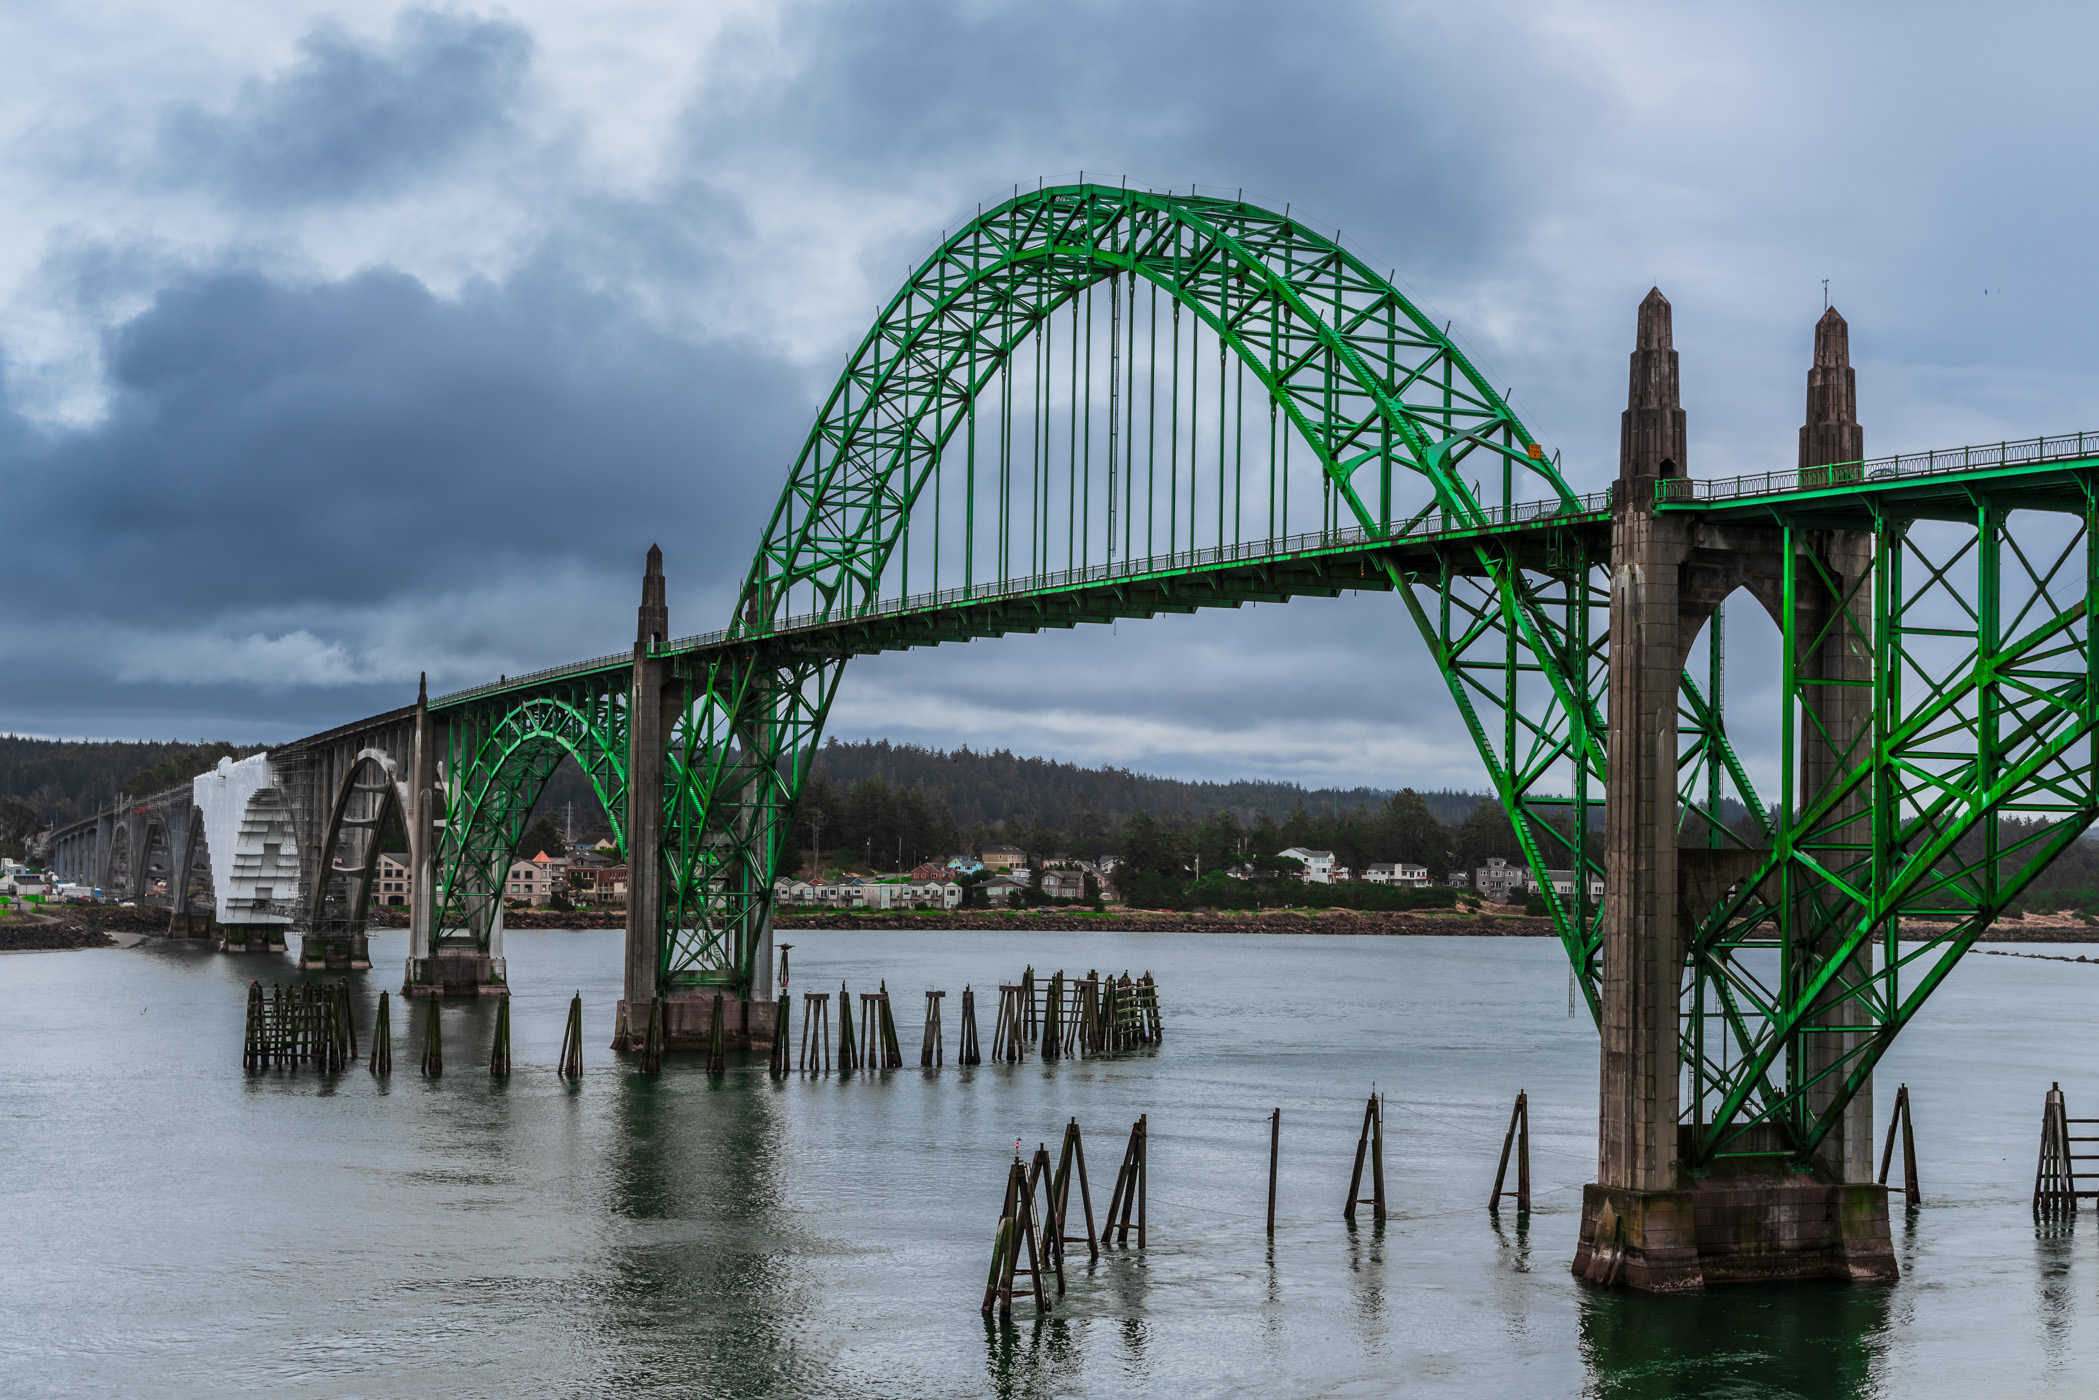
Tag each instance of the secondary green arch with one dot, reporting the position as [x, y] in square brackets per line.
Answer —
[1360, 373]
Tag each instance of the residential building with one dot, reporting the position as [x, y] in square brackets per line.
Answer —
[1562, 882]
[998, 893]
[964, 865]
[535, 881]
[929, 871]
[1341, 875]
[1387, 872]
[1319, 865]
[1500, 881]
[1063, 884]
[394, 883]
[1002, 857]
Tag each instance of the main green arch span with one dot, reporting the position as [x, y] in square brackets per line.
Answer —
[1095, 403]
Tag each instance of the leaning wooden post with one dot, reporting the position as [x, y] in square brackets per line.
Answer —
[433, 1041]
[782, 1042]
[1128, 1198]
[1910, 1193]
[342, 991]
[1518, 1139]
[499, 1053]
[571, 1066]
[931, 1050]
[848, 1050]
[1371, 1144]
[1275, 1152]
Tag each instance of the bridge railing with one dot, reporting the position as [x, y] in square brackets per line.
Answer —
[1181, 561]
[2066, 447]
[1427, 526]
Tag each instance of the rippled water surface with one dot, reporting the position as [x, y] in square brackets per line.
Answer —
[173, 1228]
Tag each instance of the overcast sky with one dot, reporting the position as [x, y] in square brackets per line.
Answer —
[343, 342]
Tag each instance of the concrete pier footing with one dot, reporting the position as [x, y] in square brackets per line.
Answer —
[456, 973]
[688, 1023]
[252, 938]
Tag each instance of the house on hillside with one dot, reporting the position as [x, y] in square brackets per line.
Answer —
[1002, 857]
[1319, 865]
[1388, 872]
[1063, 884]
[1500, 881]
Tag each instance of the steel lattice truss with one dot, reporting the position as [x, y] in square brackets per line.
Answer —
[1095, 403]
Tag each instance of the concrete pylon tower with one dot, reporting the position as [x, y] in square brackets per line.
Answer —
[1831, 433]
[645, 758]
[1651, 441]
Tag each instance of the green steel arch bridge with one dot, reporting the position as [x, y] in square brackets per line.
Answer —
[1096, 403]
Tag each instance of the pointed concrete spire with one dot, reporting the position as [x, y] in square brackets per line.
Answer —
[654, 622]
[1832, 432]
[422, 688]
[1651, 440]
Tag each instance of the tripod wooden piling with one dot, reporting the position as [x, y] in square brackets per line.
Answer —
[1071, 1162]
[1518, 1138]
[968, 1052]
[382, 1062]
[1911, 1194]
[848, 1048]
[816, 1033]
[1016, 1236]
[1128, 1197]
[1371, 1142]
[2055, 1190]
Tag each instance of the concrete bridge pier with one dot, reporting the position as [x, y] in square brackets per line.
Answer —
[652, 711]
[1650, 1221]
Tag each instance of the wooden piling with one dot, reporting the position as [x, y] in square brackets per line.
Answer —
[570, 1066]
[848, 1048]
[782, 1044]
[1017, 1235]
[1128, 1198]
[1911, 1195]
[253, 1049]
[816, 1033]
[1050, 1247]
[1275, 1152]
[892, 1050]
[1071, 1161]
[931, 1049]
[1372, 1142]
[382, 1062]
[717, 1040]
[652, 1039]
[433, 1041]
[1053, 1016]
[1026, 1025]
[499, 1053]
[968, 1053]
[1519, 1139]
[2055, 1190]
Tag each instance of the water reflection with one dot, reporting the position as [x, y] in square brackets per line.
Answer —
[1813, 1341]
[2054, 1246]
[1028, 1358]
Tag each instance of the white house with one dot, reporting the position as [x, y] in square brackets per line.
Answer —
[1387, 872]
[1498, 880]
[1319, 865]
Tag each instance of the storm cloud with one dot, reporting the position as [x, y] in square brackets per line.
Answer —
[346, 342]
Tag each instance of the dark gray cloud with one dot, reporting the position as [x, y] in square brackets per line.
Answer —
[355, 120]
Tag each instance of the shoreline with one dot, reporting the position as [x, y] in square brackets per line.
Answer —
[88, 926]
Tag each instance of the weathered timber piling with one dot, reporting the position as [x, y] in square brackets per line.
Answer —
[870, 1038]
[931, 1049]
[330, 1013]
[1071, 1163]
[652, 1039]
[816, 1032]
[1015, 1236]
[1053, 1016]
[255, 1046]
[848, 1048]
[1028, 1025]
[1051, 1244]
[968, 1052]
[1009, 1032]
[382, 1062]
[1518, 1138]
[433, 1041]
[2055, 1190]
[717, 1040]
[782, 1044]
[892, 1050]
[1128, 1198]
[1911, 1194]
[1371, 1142]
[571, 1063]
[499, 1052]
[1091, 1036]
[1275, 1152]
